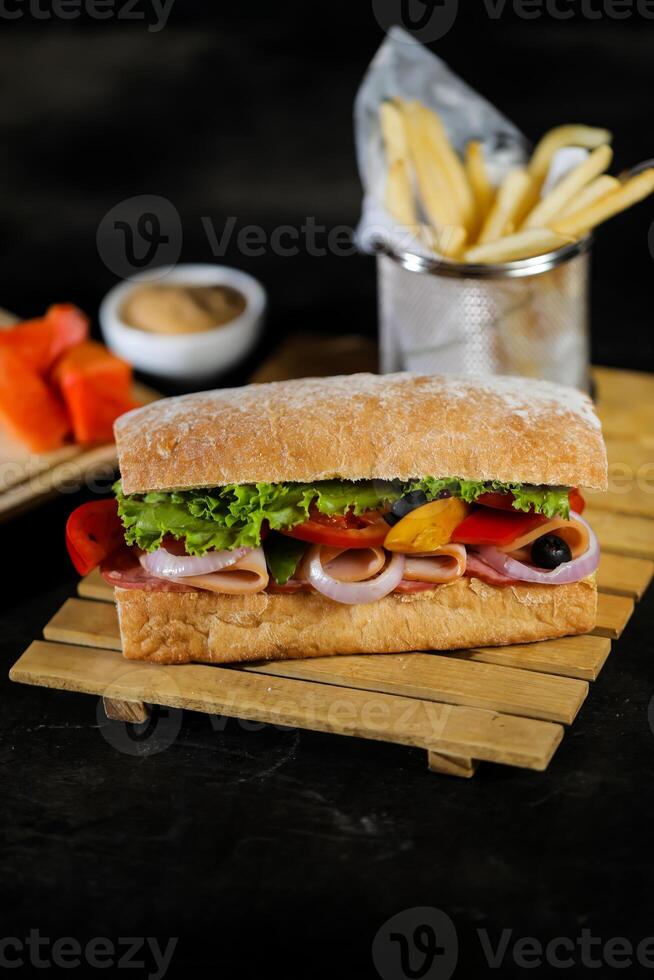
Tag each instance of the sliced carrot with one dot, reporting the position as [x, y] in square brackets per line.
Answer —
[41, 342]
[93, 360]
[28, 408]
[93, 411]
[96, 387]
[69, 324]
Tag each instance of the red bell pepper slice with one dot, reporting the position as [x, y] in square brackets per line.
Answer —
[94, 531]
[577, 502]
[498, 528]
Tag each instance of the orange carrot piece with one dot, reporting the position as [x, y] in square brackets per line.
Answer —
[96, 387]
[41, 342]
[93, 410]
[92, 359]
[28, 408]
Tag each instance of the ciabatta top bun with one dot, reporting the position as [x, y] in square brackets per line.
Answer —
[365, 426]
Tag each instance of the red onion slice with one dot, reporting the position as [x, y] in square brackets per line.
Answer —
[565, 574]
[353, 593]
[164, 565]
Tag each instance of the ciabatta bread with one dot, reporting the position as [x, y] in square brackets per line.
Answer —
[365, 426]
[175, 628]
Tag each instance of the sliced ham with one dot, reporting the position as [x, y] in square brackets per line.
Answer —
[247, 576]
[444, 565]
[409, 587]
[352, 564]
[294, 586]
[250, 574]
[125, 572]
[574, 533]
[476, 568]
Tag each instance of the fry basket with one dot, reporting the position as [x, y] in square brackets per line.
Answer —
[529, 317]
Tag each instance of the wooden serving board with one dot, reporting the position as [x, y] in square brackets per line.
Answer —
[28, 478]
[496, 704]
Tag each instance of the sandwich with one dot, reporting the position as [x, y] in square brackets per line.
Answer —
[347, 515]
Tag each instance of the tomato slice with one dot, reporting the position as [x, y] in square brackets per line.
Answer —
[342, 531]
[93, 532]
[577, 502]
[486, 526]
[500, 501]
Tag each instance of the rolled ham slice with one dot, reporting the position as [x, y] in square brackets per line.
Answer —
[247, 576]
[572, 532]
[444, 565]
[124, 571]
[352, 564]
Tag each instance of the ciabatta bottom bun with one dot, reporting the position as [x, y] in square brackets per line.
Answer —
[204, 627]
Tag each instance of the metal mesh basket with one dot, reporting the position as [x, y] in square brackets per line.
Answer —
[528, 317]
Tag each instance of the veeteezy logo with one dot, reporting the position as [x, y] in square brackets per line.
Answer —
[142, 953]
[416, 944]
[153, 13]
[427, 20]
[430, 20]
[140, 233]
[422, 944]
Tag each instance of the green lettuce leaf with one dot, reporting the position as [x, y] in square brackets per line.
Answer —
[550, 501]
[232, 516]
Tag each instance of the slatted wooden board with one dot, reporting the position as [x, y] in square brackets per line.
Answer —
[497, 704]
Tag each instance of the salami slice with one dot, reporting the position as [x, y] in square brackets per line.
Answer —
[124, 571]
[405, 587]
[476, 568]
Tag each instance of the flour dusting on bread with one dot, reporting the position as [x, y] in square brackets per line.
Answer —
[365, 426]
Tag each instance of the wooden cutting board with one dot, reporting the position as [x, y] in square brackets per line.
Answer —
[27, 478]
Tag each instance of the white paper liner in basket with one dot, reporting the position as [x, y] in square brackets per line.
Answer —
[428, 323]
[403, 68]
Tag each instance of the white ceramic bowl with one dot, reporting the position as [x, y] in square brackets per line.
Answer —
[186, 357]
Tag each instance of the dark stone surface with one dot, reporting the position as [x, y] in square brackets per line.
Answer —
[273, 848]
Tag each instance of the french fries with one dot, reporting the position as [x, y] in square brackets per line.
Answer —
[563, 192]
[597, 188]
[571, 135]
[522, 245]
[482, 189]
[508, 203]
[455, 210]
[452, 241]
[629, 193]
[449, 163]
[399, 199]
[448, 242]
[432, 185]
[393, 132]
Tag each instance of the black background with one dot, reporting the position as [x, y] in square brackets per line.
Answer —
[277, 849]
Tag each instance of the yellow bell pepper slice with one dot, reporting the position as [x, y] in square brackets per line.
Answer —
[428, 527]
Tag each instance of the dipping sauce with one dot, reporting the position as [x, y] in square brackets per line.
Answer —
[170, 308]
